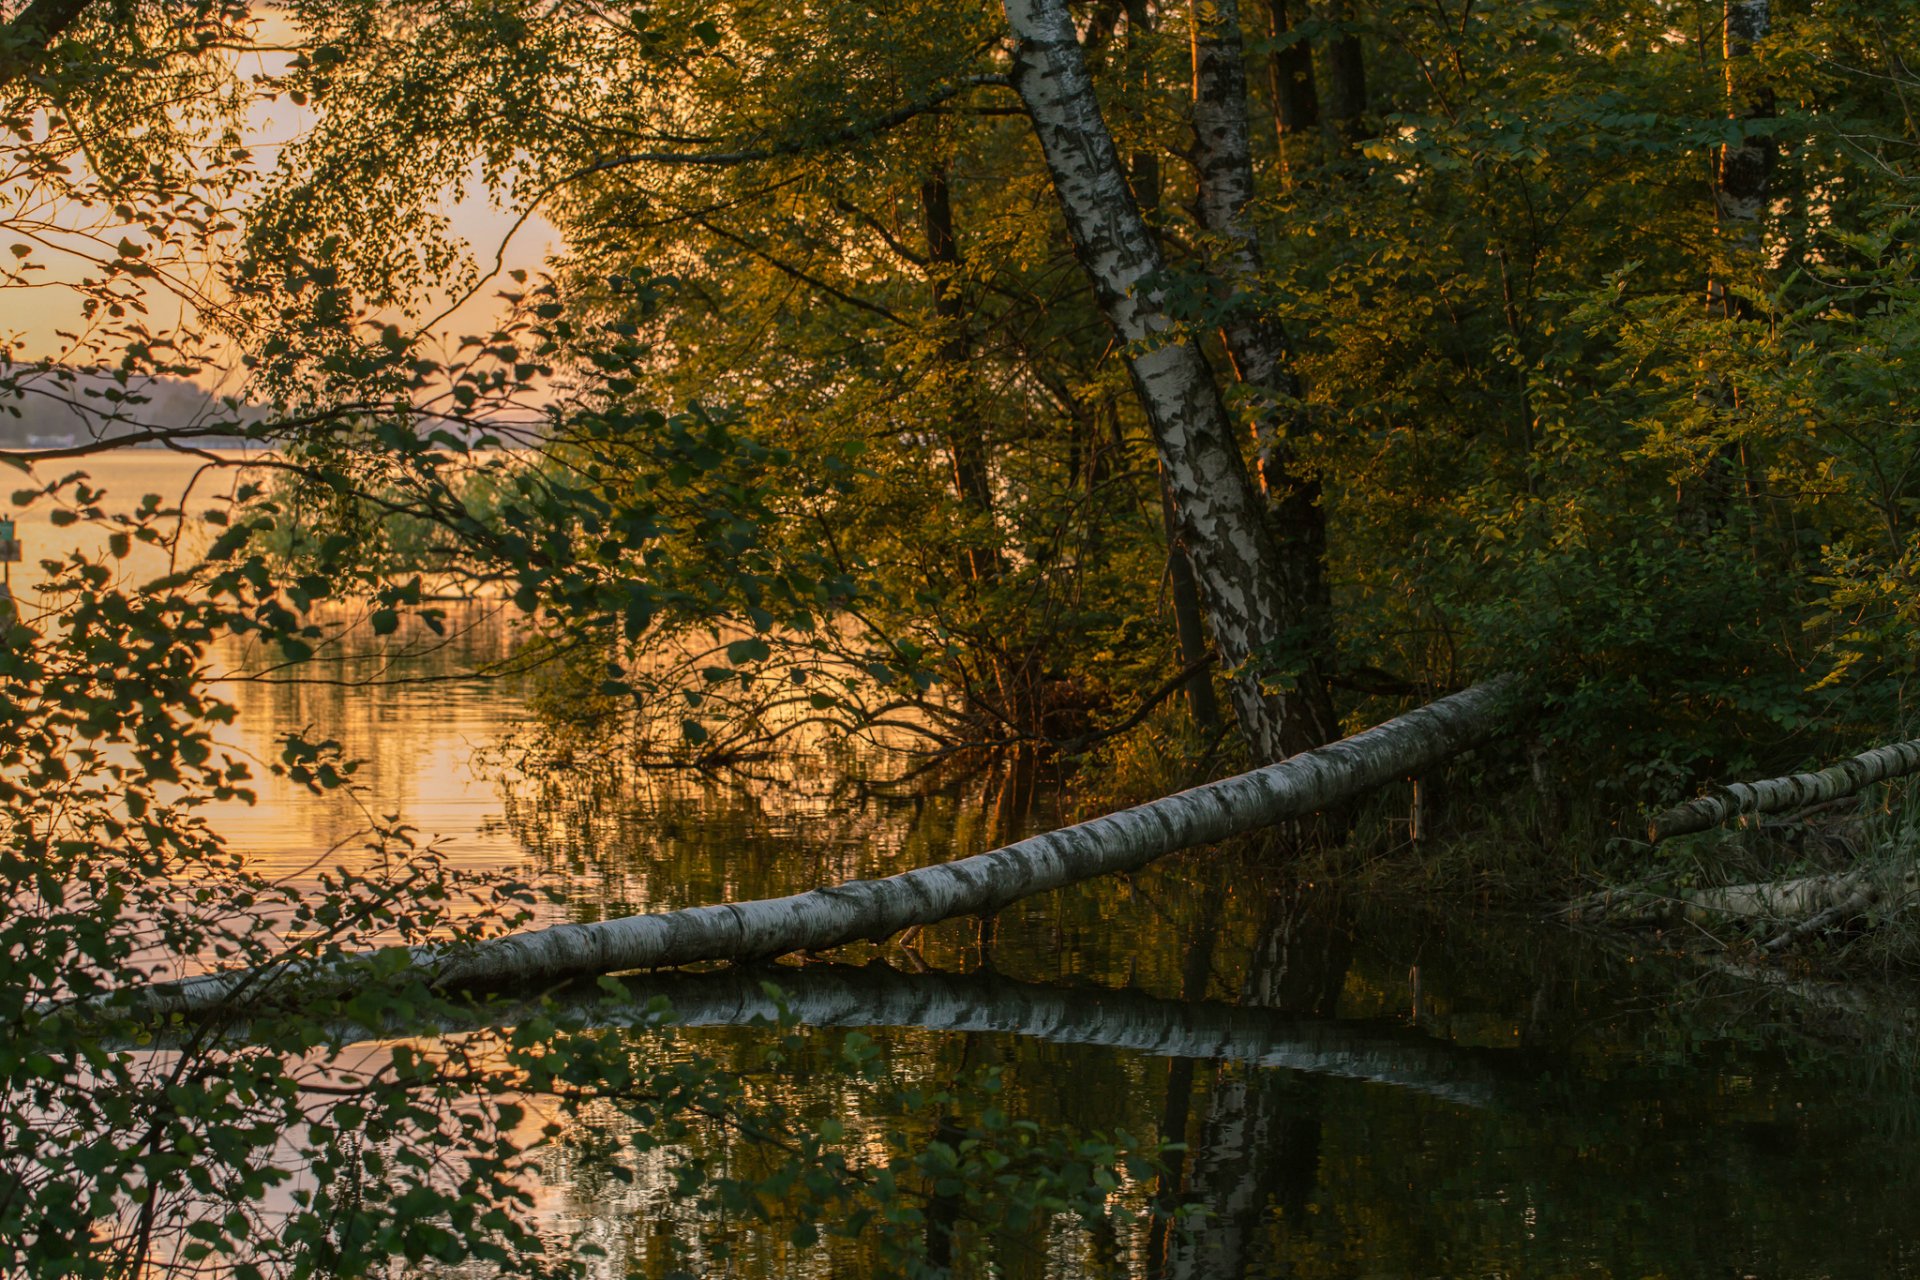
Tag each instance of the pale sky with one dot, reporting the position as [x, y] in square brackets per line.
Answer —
[63, 238]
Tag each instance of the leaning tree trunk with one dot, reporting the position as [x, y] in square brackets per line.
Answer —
[870, 910]
[1257, 342]
[1234, 557]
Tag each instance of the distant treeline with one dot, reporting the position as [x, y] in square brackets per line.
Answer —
[43, 408]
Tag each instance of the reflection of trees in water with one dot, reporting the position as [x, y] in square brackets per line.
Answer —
[1258, 1150]
[1630, 1133]
[411, 708]
[626, 839]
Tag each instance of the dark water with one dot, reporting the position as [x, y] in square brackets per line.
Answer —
[1362, 1088]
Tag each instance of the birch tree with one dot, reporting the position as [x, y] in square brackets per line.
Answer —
[1256, 341]
[1238, 566]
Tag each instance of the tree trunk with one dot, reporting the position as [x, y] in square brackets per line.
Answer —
[871, 910]
[1296, 100]
[1795, 909]
[1143, 176]
[964, 441]
[1346, 75]
[1795, 791]
[1186, 620]
[1257, 343]
[1238, 569]
[981, 561]
[1742, 173]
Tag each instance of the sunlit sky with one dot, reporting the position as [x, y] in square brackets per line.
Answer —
[32, 319]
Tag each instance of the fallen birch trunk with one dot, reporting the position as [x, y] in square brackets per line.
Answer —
[873, 910]
[1779, 795]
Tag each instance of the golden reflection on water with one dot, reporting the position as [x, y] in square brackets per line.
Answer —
[419, 715]
[416, 709]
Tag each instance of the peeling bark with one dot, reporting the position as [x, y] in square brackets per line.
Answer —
[1235, 562]
[1796, 791]
[871, 910]
[1257, 343]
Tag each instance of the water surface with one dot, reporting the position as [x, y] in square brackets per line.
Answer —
[1362, 1089]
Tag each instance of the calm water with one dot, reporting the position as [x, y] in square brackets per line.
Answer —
[1365, 1090]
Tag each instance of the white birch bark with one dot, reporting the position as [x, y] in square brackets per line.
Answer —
[871, 910]
[1765, 901]
[1234, 559]
[1780, 795]
[1257, 344]
[1796, 909]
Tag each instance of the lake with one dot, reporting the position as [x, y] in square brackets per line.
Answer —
[1362, 1088]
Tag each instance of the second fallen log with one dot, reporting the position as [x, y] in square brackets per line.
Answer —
[1782, 795]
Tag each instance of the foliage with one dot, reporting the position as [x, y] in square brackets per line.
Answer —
[285, 1142]
[764, 453]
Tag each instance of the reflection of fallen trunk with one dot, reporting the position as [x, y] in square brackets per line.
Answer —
[877, 995]
[1789, 911]
[865, 910]
[1780, 795]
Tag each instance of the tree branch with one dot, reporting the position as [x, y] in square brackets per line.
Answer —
[801, 146]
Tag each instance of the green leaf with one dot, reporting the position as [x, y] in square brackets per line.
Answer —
[752, 649]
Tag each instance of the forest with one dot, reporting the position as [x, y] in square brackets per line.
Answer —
[1004, 556]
